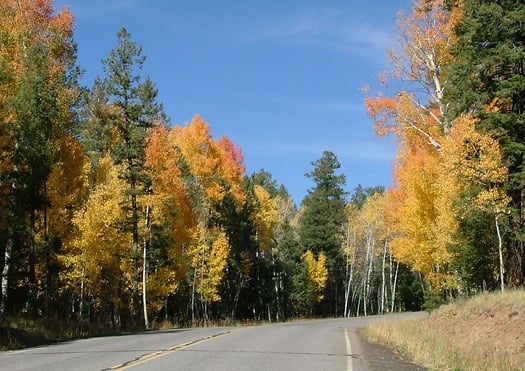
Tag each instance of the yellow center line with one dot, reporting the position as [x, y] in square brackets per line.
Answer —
[161, 353]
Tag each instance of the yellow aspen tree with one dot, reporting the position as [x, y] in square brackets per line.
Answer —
[477, 162]
[95, 260]
[66, 187]
[374, 241]
[215, 166]
[424, 207]
[265, 217]
[316, 275]
[208, 258]
[349, 251]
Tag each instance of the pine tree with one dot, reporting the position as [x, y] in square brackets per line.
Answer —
[134, 100]
[321, 224]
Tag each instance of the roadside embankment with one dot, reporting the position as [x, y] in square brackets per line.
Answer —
[486, 332]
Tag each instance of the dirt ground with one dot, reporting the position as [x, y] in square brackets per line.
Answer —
[501, 329]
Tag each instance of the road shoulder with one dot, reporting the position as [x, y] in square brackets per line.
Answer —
[379, 357]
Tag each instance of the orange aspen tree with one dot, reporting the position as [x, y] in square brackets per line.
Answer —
[425, 38]
[214, 170]
[169, 210]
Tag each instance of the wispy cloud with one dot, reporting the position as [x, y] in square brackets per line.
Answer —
[338, 105]
[375, 151]
[326, 29]
[89, 11]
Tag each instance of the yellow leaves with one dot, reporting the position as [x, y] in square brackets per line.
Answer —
[207, 256]
[265, 218]
[161, 283]
[101, 241]
[316, 274]
[420, 212]
[66, 186]
[477, 158]
[493, 199]
[429, 185]
[438, 161]
[231, 166]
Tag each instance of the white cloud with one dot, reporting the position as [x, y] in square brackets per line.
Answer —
[89, 11]
[324, 29]
[364, 150]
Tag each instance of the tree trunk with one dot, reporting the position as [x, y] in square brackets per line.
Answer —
[500, 253]
[193, 296]
[383, 281]
[5, 273]
[134, 251]
[349, 283]
[394, 288]
[144, 295]
[144, 272]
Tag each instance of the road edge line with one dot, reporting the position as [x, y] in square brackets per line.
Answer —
[349, 359]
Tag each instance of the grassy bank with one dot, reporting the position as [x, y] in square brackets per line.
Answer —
[486, 332]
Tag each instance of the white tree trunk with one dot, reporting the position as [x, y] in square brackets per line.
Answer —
[394, 288]
[350, 275]
[5, 274]
[383, 281]
[144, 295]
[500, 252]
[144, 272]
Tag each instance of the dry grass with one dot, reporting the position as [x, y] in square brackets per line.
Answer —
[486, 332]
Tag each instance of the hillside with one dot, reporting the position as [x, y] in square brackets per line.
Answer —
[486, 332]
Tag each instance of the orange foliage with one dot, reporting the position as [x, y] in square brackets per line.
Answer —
[217, 166]
[169, 198]
[33, 21]
[425, 41]
[24, 24]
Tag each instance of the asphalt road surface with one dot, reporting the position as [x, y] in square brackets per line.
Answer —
[330, 344]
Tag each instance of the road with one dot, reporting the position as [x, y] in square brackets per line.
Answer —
[329, 344]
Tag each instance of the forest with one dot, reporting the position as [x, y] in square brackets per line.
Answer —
[111, 216]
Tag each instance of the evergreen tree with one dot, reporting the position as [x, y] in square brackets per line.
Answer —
[487, 78]
[134, 101]
[321, 225]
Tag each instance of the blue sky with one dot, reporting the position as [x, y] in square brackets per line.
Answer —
[281, 79]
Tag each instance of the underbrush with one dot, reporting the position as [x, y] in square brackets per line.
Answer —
[17, 333]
